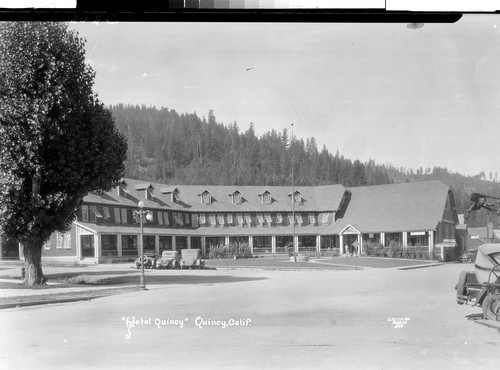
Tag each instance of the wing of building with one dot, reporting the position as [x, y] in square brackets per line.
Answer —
[267, 218]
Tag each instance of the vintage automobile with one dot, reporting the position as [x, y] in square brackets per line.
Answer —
[481, 287]
[469, 256]
[168, 260]
[191, 259]
[149, 258]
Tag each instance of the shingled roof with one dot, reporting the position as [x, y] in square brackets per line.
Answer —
[314, 198]
[396, 207]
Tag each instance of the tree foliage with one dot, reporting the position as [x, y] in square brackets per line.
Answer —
[168, 147]
[57, 140]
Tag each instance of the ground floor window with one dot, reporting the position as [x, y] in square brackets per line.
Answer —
[215, 241]
[87, 243]
[165, 243]
[149, 243]
[196, 243]
[238, 240]
[284, 243]
[181, 242]
[129, 245]
[328, 242]
[262, 244]
[371, 238]
[307, 243]
[418, 239]
[109, 245]
[393, 237]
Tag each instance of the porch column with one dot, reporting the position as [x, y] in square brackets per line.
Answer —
[157, 244]
[341, 239]
[296, 244]
[273, 244]
[203, 245]
[174, 246]
[431, 240]
[318, 243]
[382, 239]
[188, 242]
[226, 240]
[250, 243]
[97, 246]
[405, 239]
[360, 242]
[118, 246]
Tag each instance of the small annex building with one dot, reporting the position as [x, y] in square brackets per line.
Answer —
[268, 218]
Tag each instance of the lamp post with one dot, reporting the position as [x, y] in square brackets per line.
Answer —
[142, 213]
[293, 204]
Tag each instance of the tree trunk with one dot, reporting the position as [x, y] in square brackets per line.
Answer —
[33, 274]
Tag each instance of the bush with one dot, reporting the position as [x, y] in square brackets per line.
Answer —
[238, 250]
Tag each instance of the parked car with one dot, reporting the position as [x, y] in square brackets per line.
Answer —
[469, 256]
[168, 260]
[481, 287]
[191, 259]
[149, 258]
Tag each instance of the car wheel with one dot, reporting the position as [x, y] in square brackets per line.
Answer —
[461, 290]
[491, 306]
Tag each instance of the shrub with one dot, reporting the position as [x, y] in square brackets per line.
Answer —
[238, 250]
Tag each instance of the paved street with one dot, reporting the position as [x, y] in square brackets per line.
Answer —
[256, 319]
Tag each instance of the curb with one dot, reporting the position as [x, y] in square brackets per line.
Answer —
[43, 302]
[420, 266]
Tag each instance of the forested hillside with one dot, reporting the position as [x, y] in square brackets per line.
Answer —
[172, 148]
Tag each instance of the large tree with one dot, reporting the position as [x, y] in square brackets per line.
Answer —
[57, 140]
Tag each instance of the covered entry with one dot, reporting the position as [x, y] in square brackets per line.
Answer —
[351, 240]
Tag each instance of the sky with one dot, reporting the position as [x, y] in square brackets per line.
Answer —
[413, 98]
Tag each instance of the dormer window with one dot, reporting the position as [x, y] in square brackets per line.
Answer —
[206, 197]
[172, 191]
[146, 188]
[236, 197]
[297, 197]
[266, 197]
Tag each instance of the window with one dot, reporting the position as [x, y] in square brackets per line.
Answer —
[266, 198]
[165, 243]
[109, 245]
[291, 220]
[206, 198]
[85, 213]
[237, 197]
[260, 219]
[186, 218]
[95, 212]
[248, 219]
[194, 218]
[229, 218]
[298, 197]
[129, 245]
[312, 219]
[166, 219]
[279, 218]
[324, 218]
[106, 212]
[299, 218]
[239, 217]
[46, 245]
[117, 214]
[203, 219]
[178, 219]
[213, 221]
[269, 220]
[160, 218]
[59, 240]
[262, 244]
[220, 218]
[124, 216]
[67, 240]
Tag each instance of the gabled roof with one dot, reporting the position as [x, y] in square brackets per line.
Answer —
[396, 207]
[315, 198]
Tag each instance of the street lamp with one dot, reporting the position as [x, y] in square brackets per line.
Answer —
[142, 213]
[293, 204]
